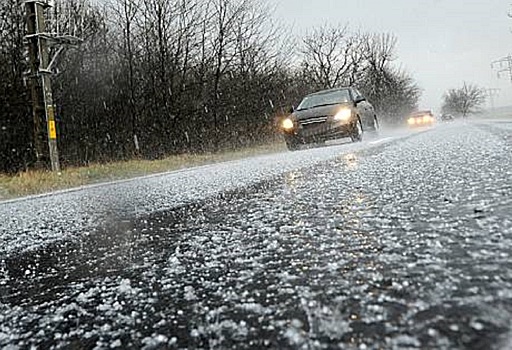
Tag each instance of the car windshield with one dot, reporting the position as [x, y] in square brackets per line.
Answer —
[325, 99]
[421, 113]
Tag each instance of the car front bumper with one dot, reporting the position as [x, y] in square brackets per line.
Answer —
[324, 131]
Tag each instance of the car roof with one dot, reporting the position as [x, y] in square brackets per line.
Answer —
[425, 111]
[321, 92]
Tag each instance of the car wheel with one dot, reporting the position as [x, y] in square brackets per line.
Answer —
[292, 144]
[357, 132]
[376, 125]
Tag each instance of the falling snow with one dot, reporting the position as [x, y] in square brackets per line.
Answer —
[401, 241]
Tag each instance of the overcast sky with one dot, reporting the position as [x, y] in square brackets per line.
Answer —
[441, 42]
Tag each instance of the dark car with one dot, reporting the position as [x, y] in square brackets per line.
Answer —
[328, 115]
[446, 117]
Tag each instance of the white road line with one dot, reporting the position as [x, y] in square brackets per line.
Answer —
[381, 140]
[116, 182]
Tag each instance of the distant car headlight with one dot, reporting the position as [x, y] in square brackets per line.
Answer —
[411, 121]
[343, 114]
[287, 124]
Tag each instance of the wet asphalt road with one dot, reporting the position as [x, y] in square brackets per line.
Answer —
[402, 242]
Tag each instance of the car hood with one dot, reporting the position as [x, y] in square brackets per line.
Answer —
[319, 111]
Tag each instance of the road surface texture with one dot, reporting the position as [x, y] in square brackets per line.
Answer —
[402, 241]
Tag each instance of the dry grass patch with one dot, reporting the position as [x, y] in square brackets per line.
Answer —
[36, 182]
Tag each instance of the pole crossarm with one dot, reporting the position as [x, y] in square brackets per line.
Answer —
[503, 65]
[54, 39]
[44, 3]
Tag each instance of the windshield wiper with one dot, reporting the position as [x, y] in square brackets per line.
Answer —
[322, 105]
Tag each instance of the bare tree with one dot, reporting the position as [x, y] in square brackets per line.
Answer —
[15, 121]
[332, 56]
[78, 18]
[80, 85]
[225, 15]
[125, 12]
[380, 50]
[392, 91]
[463, 101]
[254, 71]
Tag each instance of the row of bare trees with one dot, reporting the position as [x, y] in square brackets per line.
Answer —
[334, 56]
[162, 77]
[15, 126]
[157, 77]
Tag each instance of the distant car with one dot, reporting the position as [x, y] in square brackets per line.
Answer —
[328, 115]
[421, 118]
[446, 117]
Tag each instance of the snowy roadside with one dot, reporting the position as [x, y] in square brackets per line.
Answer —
[31, 222]
[34, 183]
[401, 246]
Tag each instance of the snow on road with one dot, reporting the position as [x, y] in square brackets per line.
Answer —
[399, 244]
[29, 223]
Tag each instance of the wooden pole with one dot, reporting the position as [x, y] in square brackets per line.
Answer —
[41, 85]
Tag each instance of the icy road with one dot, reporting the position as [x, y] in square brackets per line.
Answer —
[402, 241]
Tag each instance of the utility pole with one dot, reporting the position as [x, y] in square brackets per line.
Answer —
[41, 85]
[38, 43]
[503, 65]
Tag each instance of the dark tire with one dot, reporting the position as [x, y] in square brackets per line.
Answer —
[357, 131]
[292, 143]
[376, 125]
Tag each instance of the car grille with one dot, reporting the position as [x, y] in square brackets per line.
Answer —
[314, 120]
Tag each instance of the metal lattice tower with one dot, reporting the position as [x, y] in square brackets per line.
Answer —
[503, 66]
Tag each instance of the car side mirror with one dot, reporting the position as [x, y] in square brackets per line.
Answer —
[291, 110]
[359, 99]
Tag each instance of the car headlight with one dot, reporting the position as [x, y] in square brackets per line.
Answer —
[411, 121]
[343, 114]
[287, 124]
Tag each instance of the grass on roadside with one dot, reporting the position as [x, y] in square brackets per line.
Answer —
[36, 181]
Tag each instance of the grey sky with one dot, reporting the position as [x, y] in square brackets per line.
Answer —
[441, 42]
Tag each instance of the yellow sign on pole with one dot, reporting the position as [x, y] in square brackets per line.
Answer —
[52, 129]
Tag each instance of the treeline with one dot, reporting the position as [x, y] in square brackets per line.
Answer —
[160, 77]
